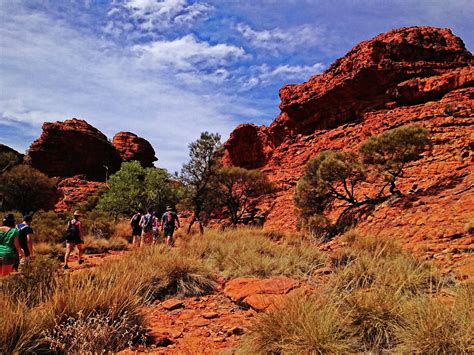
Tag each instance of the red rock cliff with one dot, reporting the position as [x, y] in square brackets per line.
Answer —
[74, 147]
[133, 147]
[411, 75]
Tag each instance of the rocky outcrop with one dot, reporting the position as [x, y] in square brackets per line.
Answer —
[366, 79]
[74, 147]
[412, 75]
[74, 191]
[133, 147]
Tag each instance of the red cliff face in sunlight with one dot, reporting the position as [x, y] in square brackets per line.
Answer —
[132, 147]
[420, 75]
[74, 147]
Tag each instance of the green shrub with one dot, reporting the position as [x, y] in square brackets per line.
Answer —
[27, 190]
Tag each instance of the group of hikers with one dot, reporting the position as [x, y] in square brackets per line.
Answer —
[16, 240]
[146, 227]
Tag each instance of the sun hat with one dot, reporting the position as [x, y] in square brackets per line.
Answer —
[169, 208]
[77, 213]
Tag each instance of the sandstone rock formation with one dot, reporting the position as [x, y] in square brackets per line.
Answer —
[74, 147]
[411, 75]
[133, 147]
[75, 190]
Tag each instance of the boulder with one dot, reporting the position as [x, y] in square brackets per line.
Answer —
[260, 293]
[74, 147]
[133, 147]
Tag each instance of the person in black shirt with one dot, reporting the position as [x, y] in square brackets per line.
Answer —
[26, 236]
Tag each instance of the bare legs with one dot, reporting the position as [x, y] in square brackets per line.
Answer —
[69, 248]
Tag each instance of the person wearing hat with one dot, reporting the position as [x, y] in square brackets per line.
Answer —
[9, 245]
[74, 238]
[169, 221]
[25, 237]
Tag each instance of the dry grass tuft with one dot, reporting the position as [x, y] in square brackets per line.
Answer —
[248, 252]
[312, 324]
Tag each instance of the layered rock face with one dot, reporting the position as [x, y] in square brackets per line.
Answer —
[133, 147]
[74, 147]
[404, 66]
[411, 75]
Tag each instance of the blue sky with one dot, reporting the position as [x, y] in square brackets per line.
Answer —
[169, 69]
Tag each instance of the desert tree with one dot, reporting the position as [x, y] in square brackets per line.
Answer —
[336, 176]
[26, 189]
[198, 177]
[390, 151]
[240, 190]
[134, 187]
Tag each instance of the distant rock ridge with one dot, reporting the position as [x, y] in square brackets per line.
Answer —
[421, 75]
[6, 149]
[74, 147]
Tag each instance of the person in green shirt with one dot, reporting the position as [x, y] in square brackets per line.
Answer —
[9, 245]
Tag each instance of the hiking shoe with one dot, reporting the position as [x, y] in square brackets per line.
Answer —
[81, 261]
[66, 267]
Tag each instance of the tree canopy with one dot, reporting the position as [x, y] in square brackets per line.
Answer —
[198, 174]
[26, 189]
[239, 191]
[133, 188]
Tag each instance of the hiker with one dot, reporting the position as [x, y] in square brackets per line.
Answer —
[169, 220]
[136, 229]
[156, 230]
[146, 223]
[9, 245]
[26, 236]
[74, 238]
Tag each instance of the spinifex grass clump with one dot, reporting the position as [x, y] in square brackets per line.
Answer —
[380, 298]
[247, 253]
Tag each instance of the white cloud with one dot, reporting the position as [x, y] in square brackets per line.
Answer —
[281, 40]
[49, 71]
[265, 74]
[154, 15]
[187, 53]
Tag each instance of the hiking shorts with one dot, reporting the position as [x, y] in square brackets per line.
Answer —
[8, 260]
[24, 246]
[136, 231]
[74, 240]
[168, 231]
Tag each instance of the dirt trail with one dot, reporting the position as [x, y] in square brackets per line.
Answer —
[210, 324]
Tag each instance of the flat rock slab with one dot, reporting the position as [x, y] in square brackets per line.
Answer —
[260, 294]
[172, 304]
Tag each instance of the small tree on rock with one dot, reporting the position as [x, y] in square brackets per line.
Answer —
[390, 151]
[198, 176]
[240, 190]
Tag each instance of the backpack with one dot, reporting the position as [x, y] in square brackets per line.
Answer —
[135, 221]
[72, 232]
[148, 223]
[169, 219]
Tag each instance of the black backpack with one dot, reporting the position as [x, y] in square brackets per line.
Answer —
[72, 232]
[136, 221]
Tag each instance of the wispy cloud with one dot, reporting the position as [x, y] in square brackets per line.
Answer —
[264, 74]
[187, 53]
[154, 16]
[279, 40]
